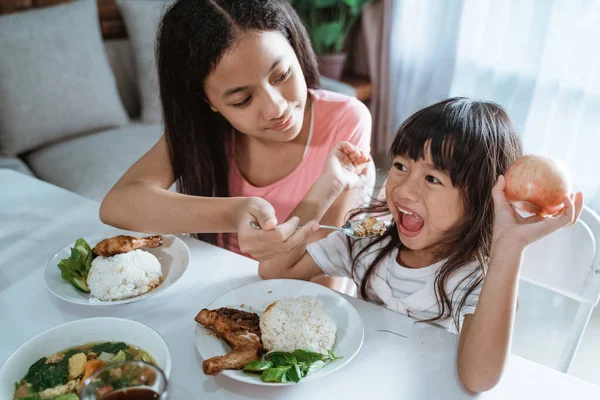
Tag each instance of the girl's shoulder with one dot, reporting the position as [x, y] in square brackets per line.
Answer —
[467, 274]
[338, 117]
[336, 105]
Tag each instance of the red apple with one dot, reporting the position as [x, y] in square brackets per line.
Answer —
[537, 185]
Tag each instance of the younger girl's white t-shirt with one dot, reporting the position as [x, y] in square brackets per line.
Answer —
[410, 291]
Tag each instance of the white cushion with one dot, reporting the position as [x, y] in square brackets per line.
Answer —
[55, 81]
[90, 165]
[141, 19]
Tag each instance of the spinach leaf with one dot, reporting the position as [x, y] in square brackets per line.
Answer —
[278, 358]
[277, 374]
[109, 347]
[292, 366]
[258, 366]
[307, 356]
[43, 376]
[294, 374]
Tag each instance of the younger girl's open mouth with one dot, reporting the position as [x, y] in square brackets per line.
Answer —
[410, 223]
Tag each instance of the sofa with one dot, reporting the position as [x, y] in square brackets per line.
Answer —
[77, 110]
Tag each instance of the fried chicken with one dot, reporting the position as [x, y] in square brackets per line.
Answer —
[240, 329]
[123, 244]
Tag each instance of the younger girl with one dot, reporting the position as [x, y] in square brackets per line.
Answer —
[247, 131]
[454, 243]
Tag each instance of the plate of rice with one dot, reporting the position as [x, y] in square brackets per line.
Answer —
[294, 315]
[121, 278]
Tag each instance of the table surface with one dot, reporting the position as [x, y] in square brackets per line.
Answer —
[398, 359]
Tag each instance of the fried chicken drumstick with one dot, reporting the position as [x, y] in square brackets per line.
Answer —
[240, 329]
[123, 244]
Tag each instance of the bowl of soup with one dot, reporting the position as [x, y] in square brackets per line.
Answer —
[56, 361]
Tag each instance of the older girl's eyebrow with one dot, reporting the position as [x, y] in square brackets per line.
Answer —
[238, 89]
[234, 90]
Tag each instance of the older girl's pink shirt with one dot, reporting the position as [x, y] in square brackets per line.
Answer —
[336, 118]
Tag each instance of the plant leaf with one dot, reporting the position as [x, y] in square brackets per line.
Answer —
[328, 33]
[324, 3]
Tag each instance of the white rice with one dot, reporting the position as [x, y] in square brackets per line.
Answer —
[300, 323]
[124, 275]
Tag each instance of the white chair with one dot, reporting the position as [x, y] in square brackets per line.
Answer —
[568, 263]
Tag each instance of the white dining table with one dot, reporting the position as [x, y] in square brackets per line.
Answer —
[398, 359]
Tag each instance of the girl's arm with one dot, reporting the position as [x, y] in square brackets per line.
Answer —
[331, 206]
[345, 170]
[485, 338]
[140, 201]
[337, 190]
[297, 264]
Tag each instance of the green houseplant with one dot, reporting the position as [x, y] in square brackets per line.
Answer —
[328, 23]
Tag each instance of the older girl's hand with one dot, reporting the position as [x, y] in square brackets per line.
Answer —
[510, 227]
[271, 239]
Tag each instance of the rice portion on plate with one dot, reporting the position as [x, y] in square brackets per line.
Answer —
[124, 275]
[299, 323]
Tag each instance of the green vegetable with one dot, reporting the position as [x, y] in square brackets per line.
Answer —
[70, 396]
[258, 366]
[277, 374]
[289, 367]
[109, 347]
[75, 269]
[294, 374]
[308, 356]
[43, 376]
[332, 356]
[317, 365]
[119, 384]
[146, 357]
[119, 357]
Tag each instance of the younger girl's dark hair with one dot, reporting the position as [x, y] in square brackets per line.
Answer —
[475, 141]
[192, 38]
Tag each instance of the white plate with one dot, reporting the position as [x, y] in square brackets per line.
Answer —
[173, 255]
[257, 296]
[80, 332]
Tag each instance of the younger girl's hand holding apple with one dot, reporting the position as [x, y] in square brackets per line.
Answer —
[536, 185]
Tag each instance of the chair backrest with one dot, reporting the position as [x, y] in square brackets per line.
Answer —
[568, 261]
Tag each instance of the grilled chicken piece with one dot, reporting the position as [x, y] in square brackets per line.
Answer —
[240, 329]
[123, 244]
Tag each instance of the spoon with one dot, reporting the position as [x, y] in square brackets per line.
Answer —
[347, 229]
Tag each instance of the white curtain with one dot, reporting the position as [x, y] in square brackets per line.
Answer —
[540, 59]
